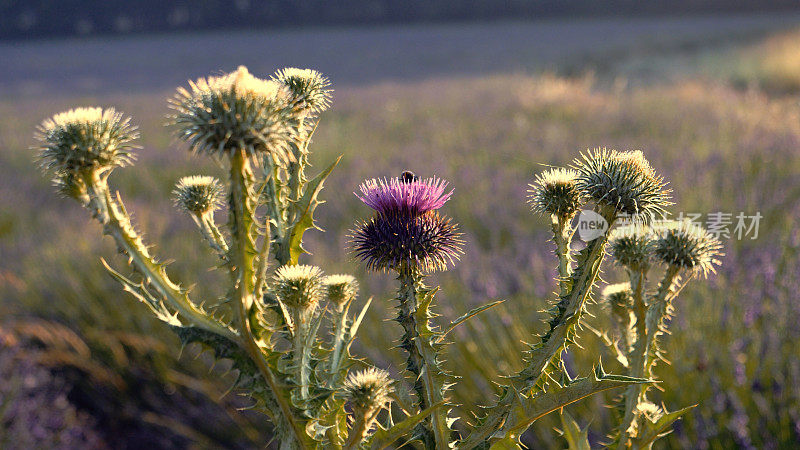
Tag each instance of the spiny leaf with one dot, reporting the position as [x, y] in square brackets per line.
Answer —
[472, 313]
[577, 437]
[655, 429]
[383, 438]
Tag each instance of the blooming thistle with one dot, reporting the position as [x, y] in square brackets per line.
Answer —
[406, 232]
[632, 246]
[299, 286]
[340, 289]
[623, 182]
[368, 390]
[86, 139]
[197, 194]
[236, 111]
[555, 192]
[688, 246]
[310, 90]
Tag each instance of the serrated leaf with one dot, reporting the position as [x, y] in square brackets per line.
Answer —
[654, 430]
[304, 211]
[507, 443]
[577, 437]
[384, 438]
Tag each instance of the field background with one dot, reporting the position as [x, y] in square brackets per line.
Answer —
[711, 100]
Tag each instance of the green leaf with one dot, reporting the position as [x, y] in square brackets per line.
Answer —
[304, 211]
[577, 437]
[507, 443]
[653, 429]
[473, 312]
[384, 438]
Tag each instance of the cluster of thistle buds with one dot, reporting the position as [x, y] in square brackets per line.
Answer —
[288, 329]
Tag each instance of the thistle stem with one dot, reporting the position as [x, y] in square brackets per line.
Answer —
[562, 238]
[339, 342]
[241, 223]
[638, 356]
[422, 361]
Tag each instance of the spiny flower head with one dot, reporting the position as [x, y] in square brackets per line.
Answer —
[340, 289]
[622, 181]
[299, 286]
[632, 245]
[687, 245]
[408, 196]
[86, 139]
[236, 111]
[618, 295]
[428, 242]
[198, 194]
[368, 390]
[555, 192]
[310, 89]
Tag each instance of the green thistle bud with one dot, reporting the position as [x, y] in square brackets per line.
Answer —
[86, 139]
[299, 286]
[632, 246]
[236, 111]
[618, 295]
[555, 192]
[309, 88]
[340, 289]
[70, 185]
[368, 390]
[688, 246]
[622, 181]
[198, 194]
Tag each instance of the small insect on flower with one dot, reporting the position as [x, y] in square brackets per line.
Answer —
[408, 196]
[86, 139]
[688, 246]
[632, 246]
[299, 286]
[236, 111]
[310, 90]
[555, 192]
[198, 194]
[623, 182]
[368, 390]
[340, 289]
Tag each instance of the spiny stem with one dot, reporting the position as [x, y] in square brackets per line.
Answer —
[638, 355]
[422, 361]
[562, 237]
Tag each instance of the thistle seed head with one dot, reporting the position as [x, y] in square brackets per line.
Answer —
[428, 242]
[368, 390]
[687, 245]
[299, 286]
[555, 192]
[198, 194]
[406, 196]
[618, 295]
[236, 111]
[86, 139]
[310, 90]
[622, 181]
[340, 289]
[632, 245]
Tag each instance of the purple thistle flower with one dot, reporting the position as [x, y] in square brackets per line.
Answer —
[427, 242]
[407, 196]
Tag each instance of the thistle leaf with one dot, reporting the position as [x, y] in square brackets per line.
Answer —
[577, 437]
[655, 428]
[304, 212]
[384, 438]
[470, 314]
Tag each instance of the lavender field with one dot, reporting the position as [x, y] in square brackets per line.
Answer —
[714, 103]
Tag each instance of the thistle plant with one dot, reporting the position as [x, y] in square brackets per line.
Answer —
[288, 328]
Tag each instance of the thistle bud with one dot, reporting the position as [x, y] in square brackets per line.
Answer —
[688, 246]
[310, 90]
[236, 111]
[632, 246]
[555, 192]
[623, 182]
[197, 194]
[83, 139]
[340, 289]
[299, 286]
[368, 390]
[618, 295]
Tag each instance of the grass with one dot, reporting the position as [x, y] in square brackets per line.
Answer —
[722, 148]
